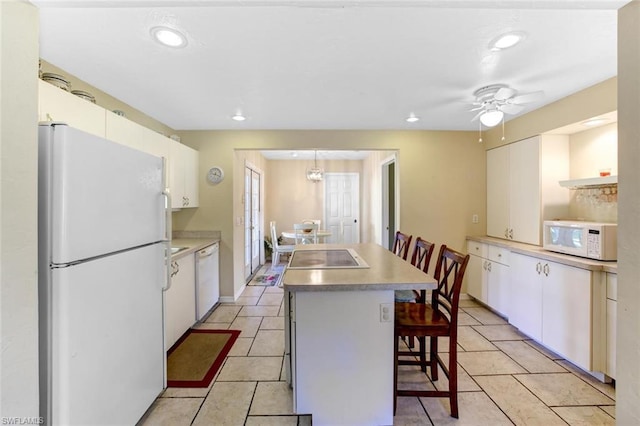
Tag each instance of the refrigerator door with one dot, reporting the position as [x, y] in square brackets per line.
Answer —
[107, 350]
[103, 197]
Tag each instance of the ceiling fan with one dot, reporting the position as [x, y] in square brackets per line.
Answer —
[495, 100]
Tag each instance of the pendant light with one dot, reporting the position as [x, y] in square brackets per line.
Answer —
[315, 174]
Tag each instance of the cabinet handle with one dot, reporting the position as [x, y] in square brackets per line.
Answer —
[506, 232]
[175, 268]
[546, 269]
[489, 266]
[538, 268]
[511, 234]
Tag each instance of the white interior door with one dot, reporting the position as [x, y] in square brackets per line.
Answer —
[252, 221]
[342, 207]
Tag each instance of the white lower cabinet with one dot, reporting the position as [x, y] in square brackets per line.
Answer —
[180, 300]
[487, 275]
[612, 310]
[552, 303]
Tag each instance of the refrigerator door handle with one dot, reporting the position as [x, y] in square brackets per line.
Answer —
[167, 237]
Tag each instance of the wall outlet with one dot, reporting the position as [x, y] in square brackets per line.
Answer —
[386, 312]
[474, 218]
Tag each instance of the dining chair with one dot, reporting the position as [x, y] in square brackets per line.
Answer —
[440, 319]
[278, 248]
[306, 233]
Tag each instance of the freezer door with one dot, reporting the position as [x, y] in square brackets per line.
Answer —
[107, 350]
[103, 197]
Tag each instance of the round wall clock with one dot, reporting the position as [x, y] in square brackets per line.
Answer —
[215, 175]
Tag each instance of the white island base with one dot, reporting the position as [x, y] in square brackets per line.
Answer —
[343, 360]
[339, 336]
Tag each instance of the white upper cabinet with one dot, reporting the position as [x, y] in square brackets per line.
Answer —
[183, 175]
[523, 189]
[182, 166]
[58, 105]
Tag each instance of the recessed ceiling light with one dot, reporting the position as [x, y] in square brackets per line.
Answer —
[169, 37]
[506, 40]
[239, 117]
[412, 118]
[594, 122]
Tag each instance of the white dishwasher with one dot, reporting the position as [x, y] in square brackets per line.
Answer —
[207, 279]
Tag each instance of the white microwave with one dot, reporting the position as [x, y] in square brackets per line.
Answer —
[586, 239]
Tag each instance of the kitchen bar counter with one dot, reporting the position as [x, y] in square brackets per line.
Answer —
[539, 252]
[339, 336]
[385, 272]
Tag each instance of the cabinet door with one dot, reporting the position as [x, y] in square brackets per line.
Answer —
[124, 131]
[476, 278]
[58, 105]
[612, 309]
[566, 312]
[525, 295]
[498, 192]
[180, 300]
[498, 287]
[524, 190]
[191, 169]
[176, 174]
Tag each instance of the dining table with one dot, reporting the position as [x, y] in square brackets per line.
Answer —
[321, 233]
[339, 330]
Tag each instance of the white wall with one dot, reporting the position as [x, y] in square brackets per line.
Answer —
[592, 150]
[628, 377]
[18, 210]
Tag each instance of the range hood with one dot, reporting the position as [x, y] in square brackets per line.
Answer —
[594, 182]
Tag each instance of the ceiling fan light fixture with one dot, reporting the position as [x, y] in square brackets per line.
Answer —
[238, 117]
[492, 117]
[169, 37]
[506, 40]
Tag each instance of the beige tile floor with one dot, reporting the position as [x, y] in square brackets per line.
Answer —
[504, 378]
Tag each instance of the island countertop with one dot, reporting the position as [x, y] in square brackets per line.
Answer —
[386, 271]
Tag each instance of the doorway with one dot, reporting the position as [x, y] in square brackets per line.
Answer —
[389, 224]
[252, 220]
[342, 207]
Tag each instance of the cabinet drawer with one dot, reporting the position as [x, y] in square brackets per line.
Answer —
[612, 286]
[499, 254]
[476, 248]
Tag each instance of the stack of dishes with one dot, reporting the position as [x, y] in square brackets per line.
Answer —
[57, 80]
[84, 95]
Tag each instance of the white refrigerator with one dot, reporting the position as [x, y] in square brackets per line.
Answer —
[101, 272]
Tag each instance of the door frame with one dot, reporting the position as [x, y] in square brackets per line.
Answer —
[261, 255]
[390, 201]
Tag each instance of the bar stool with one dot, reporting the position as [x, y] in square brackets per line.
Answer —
[440, 319]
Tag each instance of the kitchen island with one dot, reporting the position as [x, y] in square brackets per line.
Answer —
[339, 332]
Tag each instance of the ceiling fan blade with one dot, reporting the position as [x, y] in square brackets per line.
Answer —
[511, 108]
[477, 115]
[527, 97]
[504, 93]
[476, 108]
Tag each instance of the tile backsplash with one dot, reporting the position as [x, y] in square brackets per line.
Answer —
[595, 204]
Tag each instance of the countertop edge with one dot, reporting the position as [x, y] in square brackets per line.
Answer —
[539, 252]
[192, 245]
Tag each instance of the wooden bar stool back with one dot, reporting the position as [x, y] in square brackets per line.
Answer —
[439, 319]
[401, 245]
